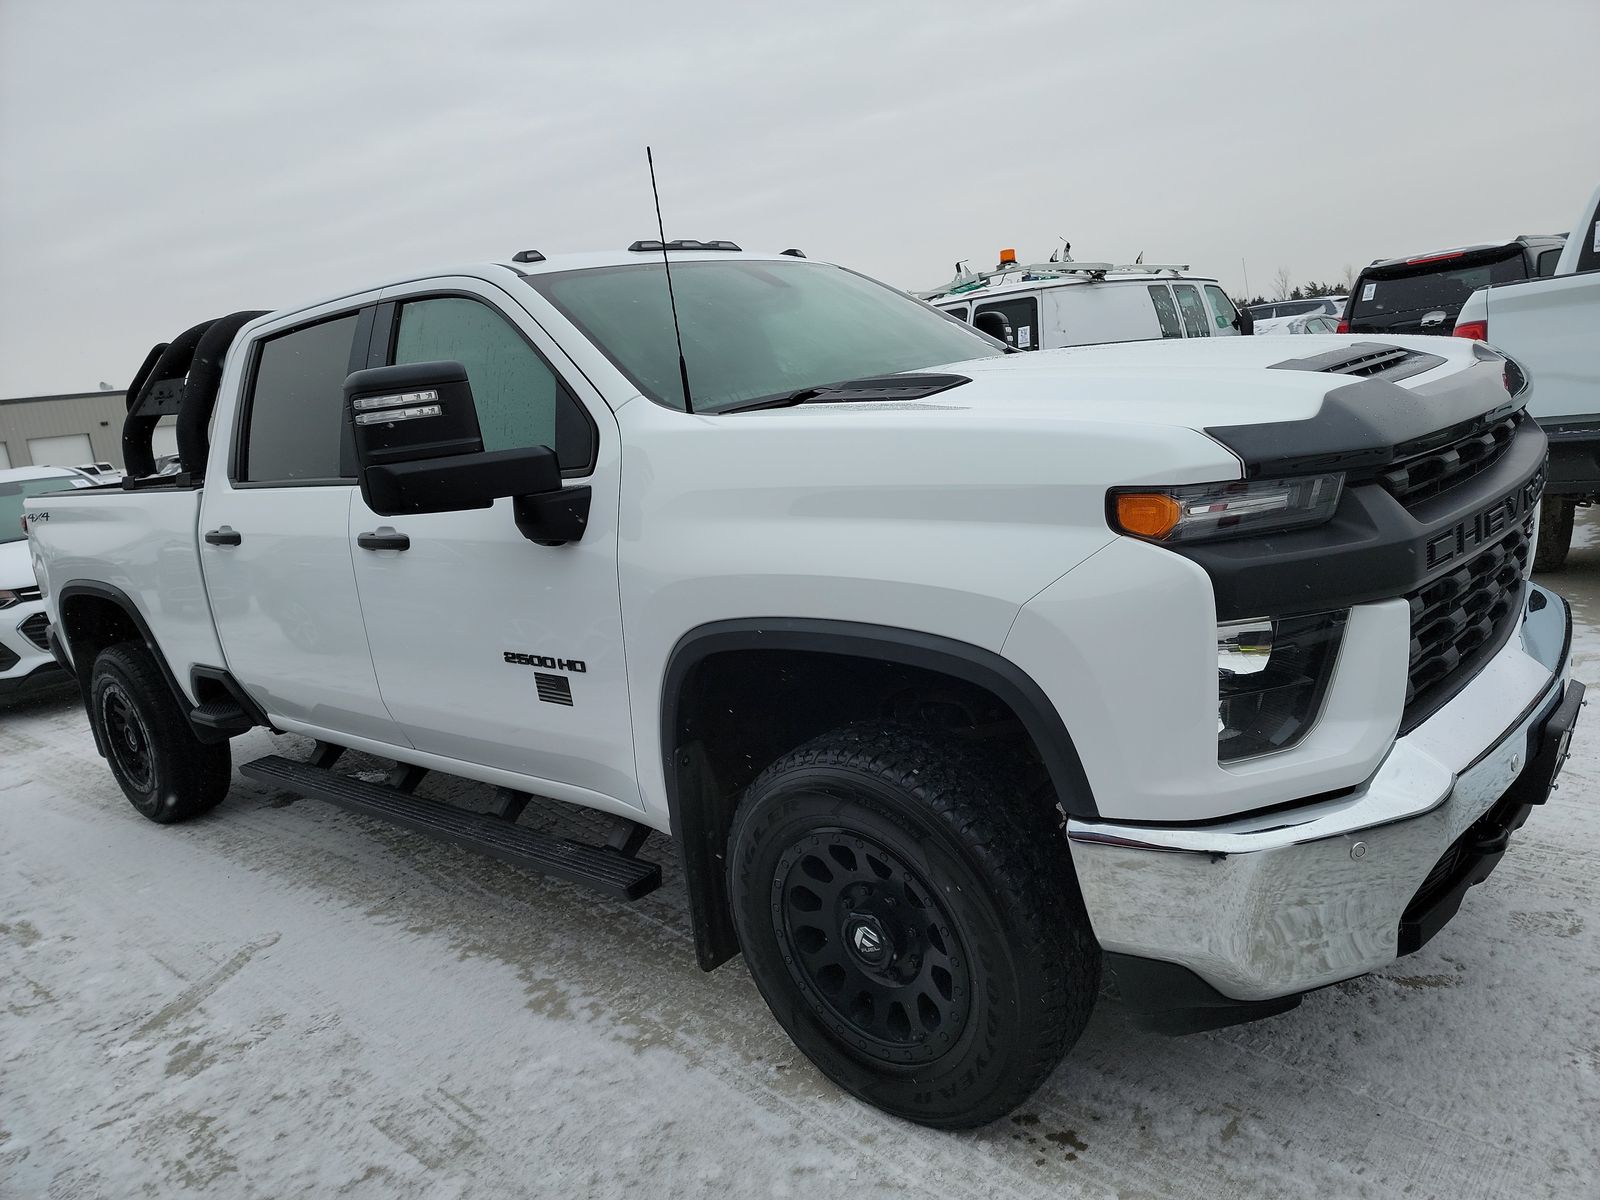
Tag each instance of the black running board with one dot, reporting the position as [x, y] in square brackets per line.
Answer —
[606, 870]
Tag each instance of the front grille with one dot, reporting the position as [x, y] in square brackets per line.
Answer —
[37, 630]
[1419, 473]
[1460, 619]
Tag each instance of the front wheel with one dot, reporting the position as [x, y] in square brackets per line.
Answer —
[166, 772]
[1556, 515]
[913, 922]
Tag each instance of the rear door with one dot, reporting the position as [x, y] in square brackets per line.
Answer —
[1166, 310]
[491, 649]
[1192, 309]
[274, 544]
[1425, 294]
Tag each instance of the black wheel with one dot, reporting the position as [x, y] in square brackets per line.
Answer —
[1556, 515]
[912, 920]
[166, 772]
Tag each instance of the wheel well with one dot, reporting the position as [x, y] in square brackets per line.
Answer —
[733, 708]
[90, 623]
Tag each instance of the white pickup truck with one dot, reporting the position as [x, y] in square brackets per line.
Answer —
[965, 680]
[1551, 328]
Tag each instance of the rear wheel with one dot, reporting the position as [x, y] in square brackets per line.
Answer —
[913, 923]
[166, 772]
[1556, 514]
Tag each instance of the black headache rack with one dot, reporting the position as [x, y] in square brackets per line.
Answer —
[178, 379]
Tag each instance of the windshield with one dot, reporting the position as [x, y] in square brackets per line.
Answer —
[754, 329]
[1441, 286]
[14, 493]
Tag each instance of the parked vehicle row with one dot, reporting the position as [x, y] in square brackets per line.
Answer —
[961, 676]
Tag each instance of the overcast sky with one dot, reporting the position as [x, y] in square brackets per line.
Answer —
[161, 163]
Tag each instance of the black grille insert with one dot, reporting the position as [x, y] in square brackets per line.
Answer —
[37, 630]
[1419, 473]
[1461, 618]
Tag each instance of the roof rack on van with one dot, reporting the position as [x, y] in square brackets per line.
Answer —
[970, 281]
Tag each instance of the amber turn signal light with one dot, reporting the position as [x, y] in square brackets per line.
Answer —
[1147, 514]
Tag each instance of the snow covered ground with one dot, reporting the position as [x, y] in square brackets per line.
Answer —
[284, 1000]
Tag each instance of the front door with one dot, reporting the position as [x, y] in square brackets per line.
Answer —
[274, 545]
[490, 649]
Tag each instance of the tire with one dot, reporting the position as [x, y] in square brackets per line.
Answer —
[1556, 515]
[934, 863]
[166, 772]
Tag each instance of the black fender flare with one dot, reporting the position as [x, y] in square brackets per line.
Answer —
[699, 833]
[81, 664]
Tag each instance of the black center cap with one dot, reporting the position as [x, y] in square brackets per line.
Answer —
[867, 940]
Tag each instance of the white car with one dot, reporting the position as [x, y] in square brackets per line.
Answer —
[1047, 306]
[1307, 323]
[959, 675]
[24, 647]
[1273, 310]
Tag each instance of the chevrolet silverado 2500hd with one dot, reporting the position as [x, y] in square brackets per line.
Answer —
[1549, 327]
[959, 676]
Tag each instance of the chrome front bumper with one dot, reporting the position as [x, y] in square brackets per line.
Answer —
[1277, 904]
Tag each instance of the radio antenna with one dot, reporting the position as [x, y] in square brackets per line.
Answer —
[666, 262]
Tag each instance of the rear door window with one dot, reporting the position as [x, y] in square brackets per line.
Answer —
[1193, 309]
[295, 425]
[1166, 311]
[1547, 261]
[1023, 313]
[1222, 310]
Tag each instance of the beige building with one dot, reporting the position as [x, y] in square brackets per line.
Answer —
[68, 430]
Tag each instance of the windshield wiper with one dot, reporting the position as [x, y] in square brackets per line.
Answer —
[850, 391]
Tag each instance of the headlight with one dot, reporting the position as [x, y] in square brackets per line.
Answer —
[8, 598]
[1211, 511]
[1271, 677]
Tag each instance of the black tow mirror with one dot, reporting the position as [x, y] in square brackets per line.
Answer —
[419, 450]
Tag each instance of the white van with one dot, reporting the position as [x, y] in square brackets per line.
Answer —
[1048, 305]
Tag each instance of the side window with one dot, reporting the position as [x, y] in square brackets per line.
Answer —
[1166, 311]
[520, 399]
[296, 419]
[1023, 313]
[1547, 261]
[1222, 312]
[1194, 312]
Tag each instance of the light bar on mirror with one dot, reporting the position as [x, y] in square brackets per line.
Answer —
[370, 402]
[385, 416]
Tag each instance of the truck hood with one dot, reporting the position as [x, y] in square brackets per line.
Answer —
[1195, 383]
[16, 564]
